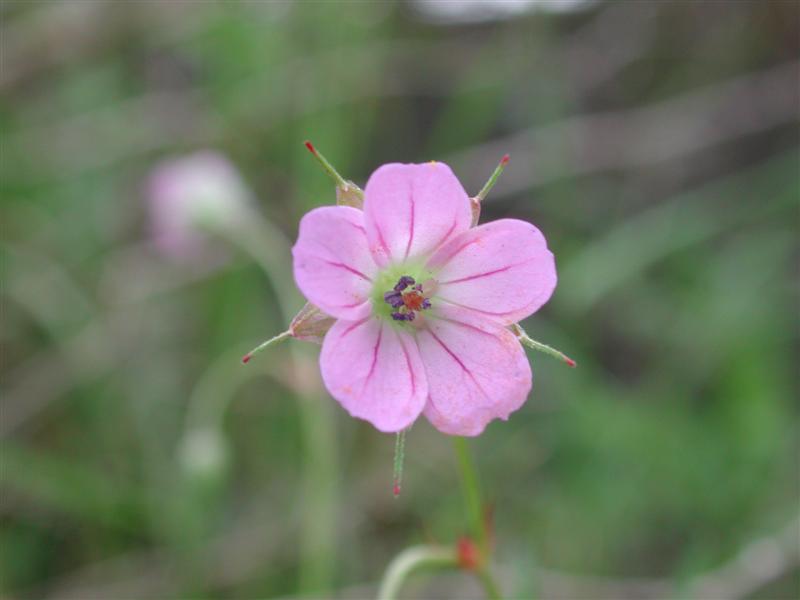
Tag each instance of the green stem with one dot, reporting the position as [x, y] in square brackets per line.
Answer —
[493, 179]
[272, 251]
[327, 166]
[526, 340]
[417, 557]
[410, 560]
[399, 456]
[471, 490]
[470, 486]
[273, 340]
[489, 584]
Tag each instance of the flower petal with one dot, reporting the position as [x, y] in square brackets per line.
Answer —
[477, 370]
[332, 264]
[502, 270]
[410, 210]
[374, 370]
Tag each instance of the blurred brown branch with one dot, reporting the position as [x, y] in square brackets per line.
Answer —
[640, 137]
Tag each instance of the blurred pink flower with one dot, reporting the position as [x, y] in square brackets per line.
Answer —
[189, 197]
[423, 302]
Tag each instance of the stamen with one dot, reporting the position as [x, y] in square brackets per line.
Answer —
[405, 301]
[403, 316]
[403, 283]
[393, 298]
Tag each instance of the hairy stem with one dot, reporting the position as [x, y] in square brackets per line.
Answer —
[327, 166]
[470, 487]
[493, 179]
[526, 340]
[272, 251]
[489, 584]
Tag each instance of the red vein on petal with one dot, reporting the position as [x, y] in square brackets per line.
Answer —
[477, 310]
[442, 262]
[487, 273]
[411, 221]
[354, 326]
[363, 231]
[357, 226]
[374, 360]
[347, 268]
[381, 240]
[468, 326]
[408, 365]
[359, 303]
[460, 364]
[441, 242]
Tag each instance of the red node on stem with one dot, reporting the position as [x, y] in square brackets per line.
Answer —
[469, 555]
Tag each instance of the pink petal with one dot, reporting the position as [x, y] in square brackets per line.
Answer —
[332, 265]
[477, 371]
[410, 210]
[374, 370]
[502, 270]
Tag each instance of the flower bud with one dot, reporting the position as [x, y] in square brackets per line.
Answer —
[191, 196]
[311, 324]
[350, 194]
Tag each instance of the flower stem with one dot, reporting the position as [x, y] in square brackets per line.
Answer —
[268, 246]
[470, 487]
[410, 560]
[489, 584]
[399, 457]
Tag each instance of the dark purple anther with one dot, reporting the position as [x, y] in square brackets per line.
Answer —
[403, 283]
[406, 302]
[394, 299]
[403, 316]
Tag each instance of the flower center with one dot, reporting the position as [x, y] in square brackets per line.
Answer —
[407, 298]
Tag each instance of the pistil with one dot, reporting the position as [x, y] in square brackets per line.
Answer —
[407, 298]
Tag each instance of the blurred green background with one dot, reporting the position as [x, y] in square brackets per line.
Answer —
[654, 143]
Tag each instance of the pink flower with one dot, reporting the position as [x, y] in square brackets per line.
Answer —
[423, 302]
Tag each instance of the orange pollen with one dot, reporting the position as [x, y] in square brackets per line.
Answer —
[413, 300]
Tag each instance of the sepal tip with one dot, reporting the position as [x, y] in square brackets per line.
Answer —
[273, 340]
